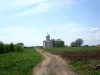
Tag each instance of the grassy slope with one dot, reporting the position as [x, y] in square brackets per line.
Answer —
[81, 67]
[19, 63]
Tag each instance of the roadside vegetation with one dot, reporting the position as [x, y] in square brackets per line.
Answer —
[71, 49]
[5, 48]
[82, 60]
[19, 63]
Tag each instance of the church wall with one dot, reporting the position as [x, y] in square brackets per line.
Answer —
[47, 43]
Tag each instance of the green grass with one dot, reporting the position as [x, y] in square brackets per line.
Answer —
[19, 63]
[85, 68]
[71, 49]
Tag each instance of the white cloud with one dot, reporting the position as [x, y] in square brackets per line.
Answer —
[71, 28]
[72, 31]
[17, 31]
[89, 39]
[39, 6]
[28, 41]
[28, 36]
[94, 29]
[45, 6]
[13, 4]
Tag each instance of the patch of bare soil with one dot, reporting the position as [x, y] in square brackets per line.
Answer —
[81, 56]
[52, 65]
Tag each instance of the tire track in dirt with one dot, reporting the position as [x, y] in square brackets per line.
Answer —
[52, 65]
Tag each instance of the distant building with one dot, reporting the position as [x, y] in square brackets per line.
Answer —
[47, 43]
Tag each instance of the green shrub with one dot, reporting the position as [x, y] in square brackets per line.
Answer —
[5, 48]
[18, 48]
[1, 47]
[12, 47]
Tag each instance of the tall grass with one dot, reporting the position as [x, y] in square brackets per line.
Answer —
[16, 63]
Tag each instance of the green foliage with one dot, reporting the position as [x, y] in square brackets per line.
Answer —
[16, 63]
[18, 48]
[58, 43]
[85, 68]
[71, 49]
[12, 47]
[4, 48]
[77, 43]
[1, 47]
[73, 44]
[21, 44]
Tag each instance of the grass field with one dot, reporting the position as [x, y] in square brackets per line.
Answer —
[19, 63]
[71, 49]
[84, 66]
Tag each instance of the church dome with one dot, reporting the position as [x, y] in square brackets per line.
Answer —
[48, 35]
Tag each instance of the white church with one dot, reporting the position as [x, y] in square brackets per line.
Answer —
[47, 43]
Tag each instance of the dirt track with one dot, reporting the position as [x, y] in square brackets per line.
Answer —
[52, 65]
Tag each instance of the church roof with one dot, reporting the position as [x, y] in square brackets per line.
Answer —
[48, 35]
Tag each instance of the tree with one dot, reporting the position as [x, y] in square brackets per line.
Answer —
[73, 44]
[62, 44]
[58, 43]
[12, 47]
[6, 48]
[54, 42]
[18, 48]
[21, 44]
[79, 42]
[66, 46]
[1, 47]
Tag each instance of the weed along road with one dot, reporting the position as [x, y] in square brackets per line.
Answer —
[52, 65]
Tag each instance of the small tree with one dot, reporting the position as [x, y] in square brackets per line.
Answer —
[54, 42]
[12, 47]
[73, 44]
[58, 43]
[1, 47]
[6, 48]
[18, 48]
[21, 44]
[79, 42]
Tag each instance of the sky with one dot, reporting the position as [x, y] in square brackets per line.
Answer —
[29, 21]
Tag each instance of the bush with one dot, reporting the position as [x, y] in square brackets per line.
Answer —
[1, 47]
[18, 48]
[12, 47]
[5, 48]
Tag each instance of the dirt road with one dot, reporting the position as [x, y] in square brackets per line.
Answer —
[52, 65]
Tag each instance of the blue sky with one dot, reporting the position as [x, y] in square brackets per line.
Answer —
[29, 21]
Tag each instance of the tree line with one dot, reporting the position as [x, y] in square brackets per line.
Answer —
[58, 43]
[77, 43]
[5, 48]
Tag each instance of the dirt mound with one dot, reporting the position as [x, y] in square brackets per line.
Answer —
[81, 56]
